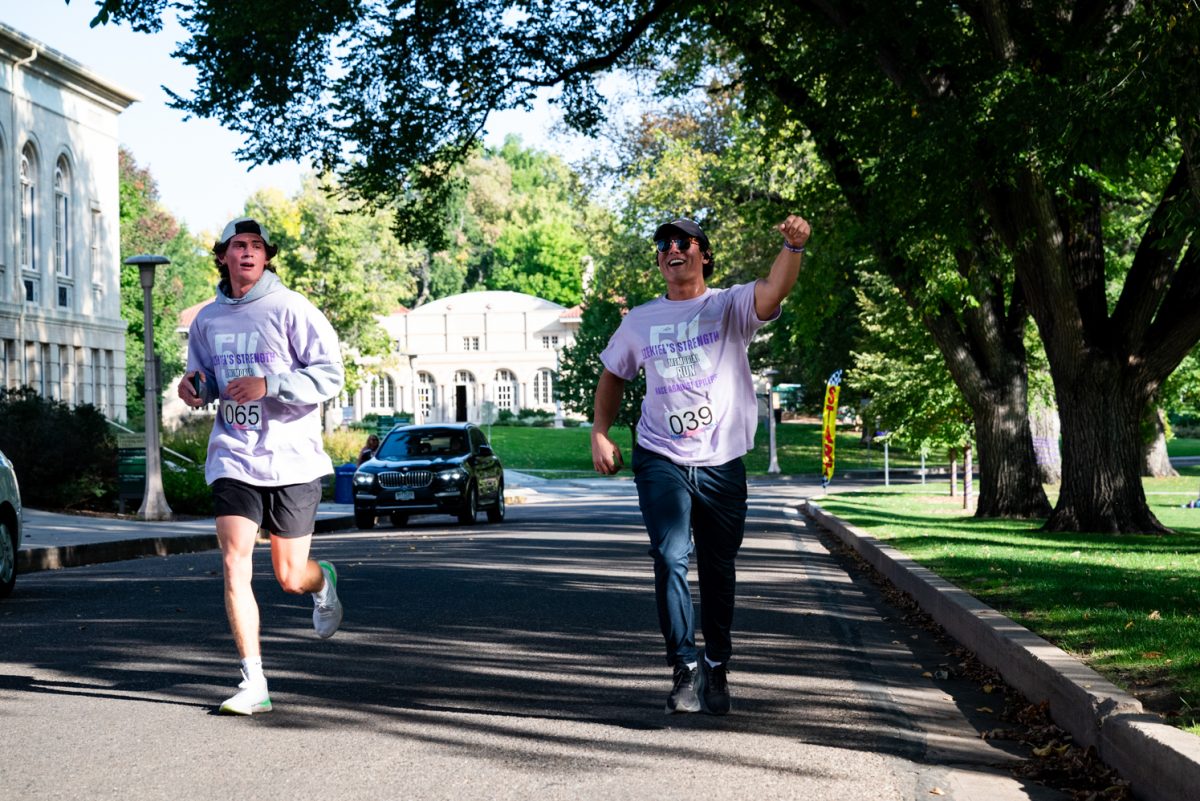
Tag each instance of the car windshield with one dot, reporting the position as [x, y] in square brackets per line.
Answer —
[426, 442]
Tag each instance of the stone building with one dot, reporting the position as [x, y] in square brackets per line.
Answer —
[61, 330]
[457, 358]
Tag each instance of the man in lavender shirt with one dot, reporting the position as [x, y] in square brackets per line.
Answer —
[269, 358]
[697, 421]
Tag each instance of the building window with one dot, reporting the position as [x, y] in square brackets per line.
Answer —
[426, 394]
[550, 342]
[62, 219]
[64, 296]
[543, 387]
[506, 390]
[470, 343]
[382, 392]
[32, 295]
[26, 249]
[95, 237]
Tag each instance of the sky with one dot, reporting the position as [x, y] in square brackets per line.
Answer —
[199, 179]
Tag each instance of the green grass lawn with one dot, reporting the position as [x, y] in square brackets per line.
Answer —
[1184, 447]
[1127, 605]
[550, 451]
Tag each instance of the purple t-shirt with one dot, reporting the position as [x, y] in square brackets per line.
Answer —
[700, 408]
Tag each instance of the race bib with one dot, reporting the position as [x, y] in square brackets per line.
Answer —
[689, 422]
[242, 416]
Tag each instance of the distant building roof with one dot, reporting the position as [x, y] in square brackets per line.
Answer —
[480, 302]
[189, 314]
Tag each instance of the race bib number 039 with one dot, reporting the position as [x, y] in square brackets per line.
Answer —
[242, 416]
[689, 422]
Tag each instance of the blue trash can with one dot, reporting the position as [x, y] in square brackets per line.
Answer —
[343, 483]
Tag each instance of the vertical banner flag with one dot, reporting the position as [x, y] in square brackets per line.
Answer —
[829, 418]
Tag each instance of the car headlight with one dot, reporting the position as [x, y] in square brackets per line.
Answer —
[455, 476]
[364, 480]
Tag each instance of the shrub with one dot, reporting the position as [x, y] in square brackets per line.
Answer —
[186, 490]
[64, 457]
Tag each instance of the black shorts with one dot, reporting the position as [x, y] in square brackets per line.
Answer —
[289, 511]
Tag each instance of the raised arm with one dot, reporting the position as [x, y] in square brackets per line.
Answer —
[769, 292]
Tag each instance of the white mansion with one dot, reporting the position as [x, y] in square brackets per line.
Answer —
[61, 330]
[455, 355]
[457, 358]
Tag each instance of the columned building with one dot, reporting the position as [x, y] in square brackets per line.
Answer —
[464, 357]
[61, 330]
[469, 356]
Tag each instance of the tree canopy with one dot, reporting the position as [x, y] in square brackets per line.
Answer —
[974, 143]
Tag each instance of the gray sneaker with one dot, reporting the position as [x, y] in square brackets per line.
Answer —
[683, 696]
[328, 616]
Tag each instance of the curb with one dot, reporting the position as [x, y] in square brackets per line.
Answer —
[1161, 762]
[33, 560]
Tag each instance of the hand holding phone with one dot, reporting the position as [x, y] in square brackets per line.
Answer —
[196, 382]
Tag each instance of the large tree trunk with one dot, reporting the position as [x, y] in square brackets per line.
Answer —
[1046, 432]
[1101, 487]
[1156, 462]
[1010, 483]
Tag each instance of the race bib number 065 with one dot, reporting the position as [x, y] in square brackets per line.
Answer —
[689, 422]
[242, 416]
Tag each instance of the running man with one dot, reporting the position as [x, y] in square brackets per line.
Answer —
[270, 358]
[697, 421]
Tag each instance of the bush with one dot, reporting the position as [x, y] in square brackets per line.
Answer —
[186, 490]
[64, 457]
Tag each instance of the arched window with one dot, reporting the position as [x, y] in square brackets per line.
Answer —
[62, 231]
[62, 218]
[382, 392]
[426, 394]
[543, 387]
[506, 390]
[26, 247]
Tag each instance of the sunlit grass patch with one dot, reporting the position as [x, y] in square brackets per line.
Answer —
[1129, 605]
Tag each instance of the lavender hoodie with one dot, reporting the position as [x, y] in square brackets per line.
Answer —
[276, 333]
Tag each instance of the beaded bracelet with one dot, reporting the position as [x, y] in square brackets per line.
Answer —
[789, 246]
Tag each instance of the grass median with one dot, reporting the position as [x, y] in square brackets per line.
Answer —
[1128, 605]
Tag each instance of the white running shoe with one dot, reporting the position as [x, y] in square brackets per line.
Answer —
[328, 616]
[250, 700]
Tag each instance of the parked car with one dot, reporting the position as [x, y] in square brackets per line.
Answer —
[10, 526]
[444, 468]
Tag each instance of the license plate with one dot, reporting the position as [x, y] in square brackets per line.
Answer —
[404, 495]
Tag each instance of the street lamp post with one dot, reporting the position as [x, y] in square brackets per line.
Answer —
[154, 502]
[770, 374]
[558, 415]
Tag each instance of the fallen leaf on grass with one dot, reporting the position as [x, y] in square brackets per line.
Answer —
[1152, 655]
[1154, 615]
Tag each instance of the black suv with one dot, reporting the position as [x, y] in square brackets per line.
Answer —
[443, 468]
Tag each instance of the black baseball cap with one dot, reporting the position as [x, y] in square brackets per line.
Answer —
[684, 226]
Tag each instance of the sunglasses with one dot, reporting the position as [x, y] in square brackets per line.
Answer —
[683, 245]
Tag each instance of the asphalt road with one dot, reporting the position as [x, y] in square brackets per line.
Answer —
[491, 662]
